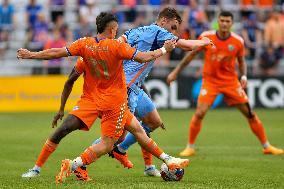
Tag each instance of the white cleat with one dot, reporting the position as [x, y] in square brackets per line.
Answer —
[31, 173]
[152, 171]
[176, 163]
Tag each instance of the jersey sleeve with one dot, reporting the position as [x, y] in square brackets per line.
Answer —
[164, 35]
[125, 51]
[241, 51]
[80, 66]
[76, 48]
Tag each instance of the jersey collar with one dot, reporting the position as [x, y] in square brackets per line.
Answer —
[222, 39]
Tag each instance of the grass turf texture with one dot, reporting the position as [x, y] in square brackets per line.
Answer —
[228, 156]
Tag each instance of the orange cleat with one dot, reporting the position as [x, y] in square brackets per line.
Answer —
[176, 163]
[82, 174]
[65, 171]
[272, 150]
[122, 158]
[187, 152]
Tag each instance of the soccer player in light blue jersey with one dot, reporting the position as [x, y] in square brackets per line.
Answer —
[148, 38]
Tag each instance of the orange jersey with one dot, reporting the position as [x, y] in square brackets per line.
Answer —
[88, 87]
[220, 61]
[103, 61]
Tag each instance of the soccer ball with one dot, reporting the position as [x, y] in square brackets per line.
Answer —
[171, 175]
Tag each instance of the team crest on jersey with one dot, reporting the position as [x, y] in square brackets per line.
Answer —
[231, 47]
[76, 108]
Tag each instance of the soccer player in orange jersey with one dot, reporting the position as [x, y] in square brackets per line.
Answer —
[103, 56]
[219, 76]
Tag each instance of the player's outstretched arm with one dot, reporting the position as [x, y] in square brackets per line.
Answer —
[68, 86]
[193, 44]
[184, 62]
[152, 55]
[42, 55]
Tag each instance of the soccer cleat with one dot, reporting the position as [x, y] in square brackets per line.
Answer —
[272, 150]
[122, 158]
[187, 152]
[65, 170]
[176, 163]
[31, 173]
[82, 174]
[152, 171]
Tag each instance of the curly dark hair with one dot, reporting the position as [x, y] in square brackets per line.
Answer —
[103, 19]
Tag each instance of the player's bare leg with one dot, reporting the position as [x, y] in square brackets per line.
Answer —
[70, 124]
[149, 145]
[258, 129]
[153, 121]
[194, 128]
[150, 122]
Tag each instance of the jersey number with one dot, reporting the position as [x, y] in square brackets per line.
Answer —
[96, 69]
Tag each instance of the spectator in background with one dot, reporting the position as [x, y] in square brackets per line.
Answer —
[251, 33]
[265, 3]
[274, 32]
[81, 2]
[90, 11]
[247, 7]
[195, 20]
[154, 2]
[269, 60]
[55, 41]
[38, 34]
[66, 33]
[57, 8]
[7, 22]
[131, 12]
[32, 11]
[83, 29]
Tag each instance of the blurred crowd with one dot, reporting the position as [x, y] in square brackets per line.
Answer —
[259, 22]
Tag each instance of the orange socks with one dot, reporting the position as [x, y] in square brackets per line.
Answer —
[194, 128]
[257, 128]
[147, 156]
[47, 149]
[89, 156]
[154, 149]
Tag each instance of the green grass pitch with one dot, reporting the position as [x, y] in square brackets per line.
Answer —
[228, 156]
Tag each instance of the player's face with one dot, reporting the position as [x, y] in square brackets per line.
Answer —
[114, 28]
[171, 25]
[225, 23]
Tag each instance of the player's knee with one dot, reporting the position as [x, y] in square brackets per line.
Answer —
[200, 114]
[153, 123]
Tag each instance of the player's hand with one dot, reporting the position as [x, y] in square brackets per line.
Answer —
[207, 41]
[171, 77]
[244, 81]
[59, 115]
[169, 45]
[24, 54]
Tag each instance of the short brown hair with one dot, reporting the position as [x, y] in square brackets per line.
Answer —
[170, 13]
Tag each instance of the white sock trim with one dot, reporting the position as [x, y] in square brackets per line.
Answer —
[164, 156]
[78, 162]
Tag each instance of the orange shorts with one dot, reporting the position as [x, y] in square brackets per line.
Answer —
[114, 121]
[234, 94]
[86, 111]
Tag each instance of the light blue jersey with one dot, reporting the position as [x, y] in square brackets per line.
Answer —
[146, 38]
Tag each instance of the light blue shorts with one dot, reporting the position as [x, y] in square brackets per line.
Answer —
[139, 102]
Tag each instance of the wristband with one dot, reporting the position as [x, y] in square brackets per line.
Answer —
[163, 49]
[244, 77]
